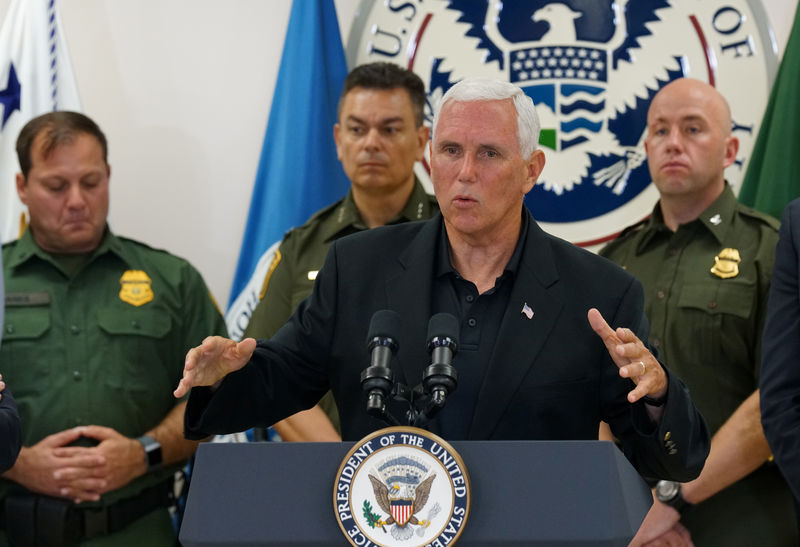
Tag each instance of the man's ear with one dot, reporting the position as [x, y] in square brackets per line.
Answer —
[731, 149]
[22, 188]
[337, 139]
[423, 136]
[534, 166]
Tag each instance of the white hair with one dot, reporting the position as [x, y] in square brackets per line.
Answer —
[485, 89]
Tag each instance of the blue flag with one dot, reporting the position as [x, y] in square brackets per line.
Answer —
[299, 172]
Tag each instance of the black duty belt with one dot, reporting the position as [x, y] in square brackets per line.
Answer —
[31, 520]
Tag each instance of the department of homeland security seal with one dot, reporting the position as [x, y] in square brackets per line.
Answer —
[402, 486]
[592, 69]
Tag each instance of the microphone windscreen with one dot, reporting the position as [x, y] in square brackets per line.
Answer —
[384, 323]
[443, 325]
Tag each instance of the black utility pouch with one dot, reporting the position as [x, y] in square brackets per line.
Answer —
[32, 521]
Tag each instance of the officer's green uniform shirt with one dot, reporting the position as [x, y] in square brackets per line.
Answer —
[706, 289]
[103, 344]
[301, 254]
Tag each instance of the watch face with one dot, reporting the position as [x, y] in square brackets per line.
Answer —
[666, 490]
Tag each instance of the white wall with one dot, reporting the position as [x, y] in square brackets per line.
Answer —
[182, 89]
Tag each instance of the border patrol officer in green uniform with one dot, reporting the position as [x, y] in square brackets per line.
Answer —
[705, 263]
[379, 137]
[95, 331]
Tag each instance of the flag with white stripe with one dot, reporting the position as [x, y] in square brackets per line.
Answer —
[35, 77]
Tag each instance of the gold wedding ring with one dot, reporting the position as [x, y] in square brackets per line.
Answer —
[644, 367]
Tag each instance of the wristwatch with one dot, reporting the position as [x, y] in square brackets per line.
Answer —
[152, 451]
[669, 493]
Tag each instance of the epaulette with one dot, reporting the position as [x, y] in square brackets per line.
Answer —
[327, 210]
[150, 249]
[634, 227]
[141, 244]
[758, 215]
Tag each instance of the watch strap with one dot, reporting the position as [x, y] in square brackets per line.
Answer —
[152, 451]
[677, 502]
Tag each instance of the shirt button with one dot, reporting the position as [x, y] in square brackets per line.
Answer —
[472, 322]
[660, 295]
[470, 298]
[712, 304]
[10, 329]
[135, 324]
[655, 342]
[75, 329]
[76, 375]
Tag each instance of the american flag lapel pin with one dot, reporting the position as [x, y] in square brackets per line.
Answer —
[527, 311]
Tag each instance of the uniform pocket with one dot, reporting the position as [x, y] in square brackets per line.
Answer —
[719, 297]
[720, 313]
[27, 358]
[137, 346]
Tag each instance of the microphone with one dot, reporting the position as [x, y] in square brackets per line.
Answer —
[377, 378]
[441, 378]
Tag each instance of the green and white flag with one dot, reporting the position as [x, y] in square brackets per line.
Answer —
[772, 178]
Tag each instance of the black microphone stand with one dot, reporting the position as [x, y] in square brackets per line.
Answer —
[439, 379]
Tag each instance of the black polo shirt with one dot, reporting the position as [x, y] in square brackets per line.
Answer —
[479, 317]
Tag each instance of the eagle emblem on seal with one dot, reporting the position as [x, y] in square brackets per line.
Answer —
[401, 489]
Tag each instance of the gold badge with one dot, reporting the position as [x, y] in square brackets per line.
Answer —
[136, 289]
[726, 263]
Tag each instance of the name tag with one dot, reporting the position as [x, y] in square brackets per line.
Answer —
[26, 299]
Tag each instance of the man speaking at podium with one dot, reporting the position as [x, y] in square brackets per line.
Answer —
[529, 365]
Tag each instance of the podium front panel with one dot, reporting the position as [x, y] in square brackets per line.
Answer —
[523, 493]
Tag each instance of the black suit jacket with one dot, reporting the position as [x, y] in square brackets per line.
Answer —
[780, 359]
[550, 376]
[10, 431]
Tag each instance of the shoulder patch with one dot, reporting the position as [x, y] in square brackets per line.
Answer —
[276, 258]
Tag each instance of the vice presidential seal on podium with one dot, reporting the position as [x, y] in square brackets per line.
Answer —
[402, 486]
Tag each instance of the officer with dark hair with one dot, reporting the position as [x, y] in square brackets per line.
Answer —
[379, 137]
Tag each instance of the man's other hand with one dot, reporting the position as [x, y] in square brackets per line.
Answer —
[211, 361]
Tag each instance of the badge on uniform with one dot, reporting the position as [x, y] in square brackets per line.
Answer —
[136, 288]
[726, 263]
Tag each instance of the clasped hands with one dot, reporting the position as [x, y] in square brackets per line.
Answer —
[79, 473]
